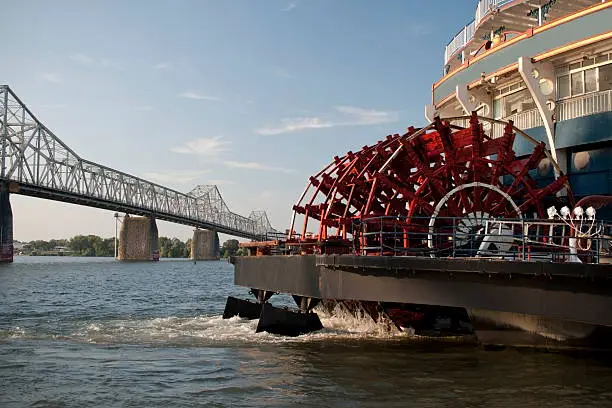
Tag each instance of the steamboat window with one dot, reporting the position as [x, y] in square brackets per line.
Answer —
[584, 81]
[497, 109]
[577, 83]
[563, 87]
[590, 80]
[605, 77]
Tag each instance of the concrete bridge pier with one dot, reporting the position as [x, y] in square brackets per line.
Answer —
[6, 226]
[205, 245]
[138, 239]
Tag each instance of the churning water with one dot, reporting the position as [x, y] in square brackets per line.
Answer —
[78, 332]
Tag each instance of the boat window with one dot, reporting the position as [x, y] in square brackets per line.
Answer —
[605, 77]
[563, 87]
[575, 65]
[577, 83]
[590, 80]
[588, 62]
[516, 103]
[601, 58]
[497, 109]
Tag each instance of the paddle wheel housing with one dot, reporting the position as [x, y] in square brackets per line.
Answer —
[425, 191]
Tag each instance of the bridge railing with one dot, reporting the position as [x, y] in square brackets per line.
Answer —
[38, 160]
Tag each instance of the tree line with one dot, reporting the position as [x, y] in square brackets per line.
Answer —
[93, 245]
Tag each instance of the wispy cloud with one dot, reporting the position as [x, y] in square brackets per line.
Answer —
[294, 125]
[420, 29]
[48, 76]
[162, 65]
[220, 182]
[206, 146]
[199, 96]
[360, 116]
[177, 177]
[351, 116]
[144, 108]
[53, 106]
[85, 59]
[290, 6]
[255, 166]
[282, 73]
[82, 59]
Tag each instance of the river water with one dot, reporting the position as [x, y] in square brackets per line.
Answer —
[78, 332]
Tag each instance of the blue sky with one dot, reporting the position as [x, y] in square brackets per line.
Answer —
[252, 95]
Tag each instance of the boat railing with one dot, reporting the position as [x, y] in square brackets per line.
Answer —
[584, 105]
[459, 41]
[484, 8]
[566, 109]
[577, 240]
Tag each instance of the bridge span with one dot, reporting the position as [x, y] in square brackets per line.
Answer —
[35, 162]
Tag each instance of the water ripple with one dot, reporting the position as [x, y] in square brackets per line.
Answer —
[80, 333]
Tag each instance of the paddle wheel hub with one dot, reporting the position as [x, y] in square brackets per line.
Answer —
[425, 191]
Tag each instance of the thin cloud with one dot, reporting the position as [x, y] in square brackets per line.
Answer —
[145, 108]
[162, 65]
[366, 116]
[220, 182]
[255, 166]
[198, 96]
[53, 106]
[420, 29]
[82, 59]
[51, 77]
[85, 59]
[282, 73]
[206, 146]
[351, 116]
[289, 125]
[177, 177]
[290, 6]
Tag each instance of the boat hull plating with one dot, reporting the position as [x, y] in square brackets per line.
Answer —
[558, 301]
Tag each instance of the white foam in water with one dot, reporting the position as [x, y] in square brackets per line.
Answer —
[343, 323]
[214, 329]
[16, 332]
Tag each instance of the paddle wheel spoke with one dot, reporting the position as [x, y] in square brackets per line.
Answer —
[430, 190]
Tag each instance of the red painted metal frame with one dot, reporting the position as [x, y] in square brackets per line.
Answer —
[406, 176]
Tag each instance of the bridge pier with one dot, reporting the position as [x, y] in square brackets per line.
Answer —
[205, 245]
[138, 239]
[6, 226]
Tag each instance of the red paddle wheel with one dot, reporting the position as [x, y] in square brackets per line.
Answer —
[418, 192]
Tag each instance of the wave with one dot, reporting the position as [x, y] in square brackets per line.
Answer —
[207, 330]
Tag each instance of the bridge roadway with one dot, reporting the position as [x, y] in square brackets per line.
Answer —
[35, 162]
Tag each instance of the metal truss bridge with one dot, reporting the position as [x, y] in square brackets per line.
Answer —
[35, 162]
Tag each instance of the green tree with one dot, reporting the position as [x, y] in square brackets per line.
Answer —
[187, 250]
[163, 247]
[229, 248]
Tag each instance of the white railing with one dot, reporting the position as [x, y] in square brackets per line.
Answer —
[523, 120]
[485, 7]
[459, 41]
[527, 119]
[567, 109]
[584, 105]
